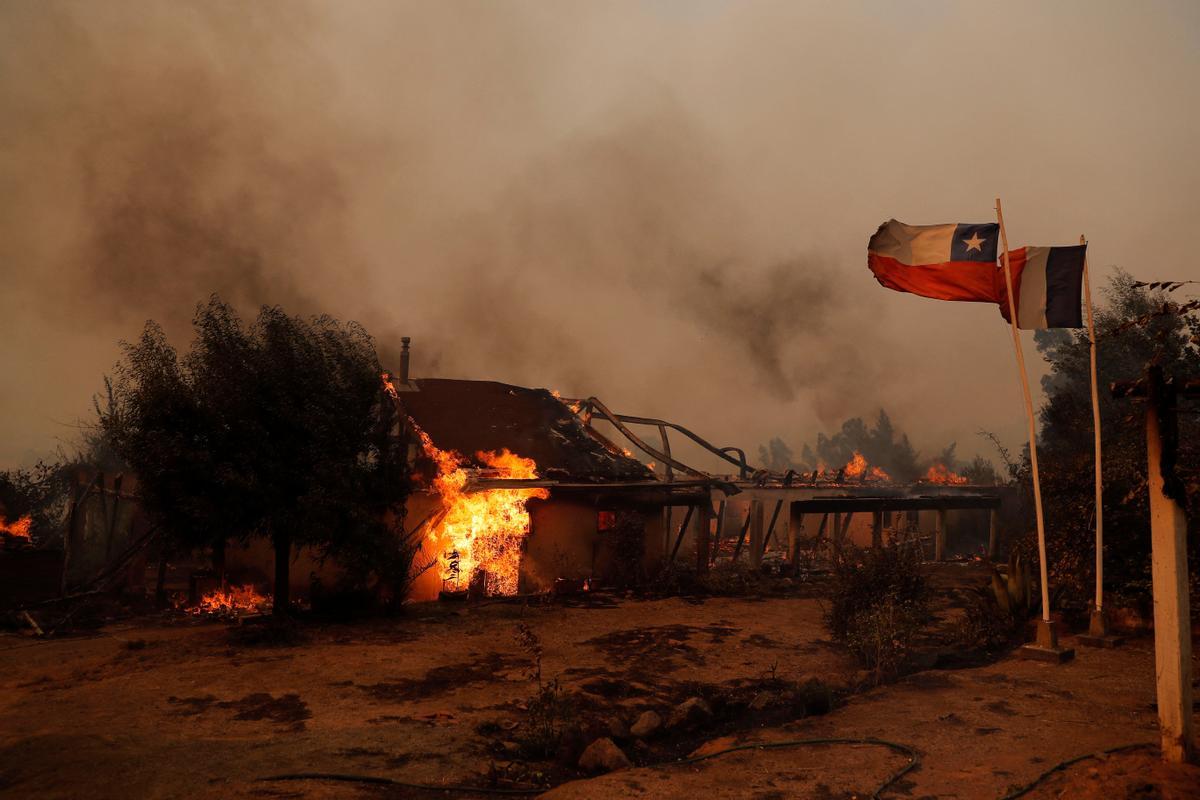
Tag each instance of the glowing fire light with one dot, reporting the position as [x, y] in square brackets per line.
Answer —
[481, 531]
[232, 601]
[857, 468]
[19, 529]
[940, 473]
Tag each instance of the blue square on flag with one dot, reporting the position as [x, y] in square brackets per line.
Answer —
[975, 242]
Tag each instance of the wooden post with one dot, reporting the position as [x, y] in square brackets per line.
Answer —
[820, 533]
[756, 533]
[1169, 571]
[1033, 459]
[1098, 626]
[939, 536]
[877, 530]
[703, 519]
[771, 527]
[835, 537]
[795, 526]
[993, 533]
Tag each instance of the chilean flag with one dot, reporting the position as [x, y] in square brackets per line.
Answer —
[1047, 282]
[945, 262]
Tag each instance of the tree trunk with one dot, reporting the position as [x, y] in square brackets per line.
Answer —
[283, 564]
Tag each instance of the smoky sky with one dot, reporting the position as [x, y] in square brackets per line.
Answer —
[664, 204]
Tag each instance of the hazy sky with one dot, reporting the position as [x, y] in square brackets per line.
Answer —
[664, 204]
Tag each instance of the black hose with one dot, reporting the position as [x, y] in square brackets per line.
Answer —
[913, 761]
[1029, 787]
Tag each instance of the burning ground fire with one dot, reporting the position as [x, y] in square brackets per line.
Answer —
[232, 601]
[19, 529]
[481, 532]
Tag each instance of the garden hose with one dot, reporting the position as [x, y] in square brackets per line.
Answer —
[913, 761]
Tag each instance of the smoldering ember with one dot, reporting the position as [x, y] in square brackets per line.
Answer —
[593, 400]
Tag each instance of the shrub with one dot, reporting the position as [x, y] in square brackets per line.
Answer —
[551, 712]
[878, 604]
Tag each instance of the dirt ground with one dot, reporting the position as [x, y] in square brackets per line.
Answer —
[172, 707]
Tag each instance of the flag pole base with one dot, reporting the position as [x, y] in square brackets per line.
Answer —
[1046, 647]
[1098, 634]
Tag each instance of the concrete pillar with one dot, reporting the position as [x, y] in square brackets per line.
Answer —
[939, 536]
[1172, 620]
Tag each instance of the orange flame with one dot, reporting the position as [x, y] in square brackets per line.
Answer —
[484, 530]
[857, 468]
[234, 600]
[19, 529]
[940, 473]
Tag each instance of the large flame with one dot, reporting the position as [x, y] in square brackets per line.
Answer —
[19, 529]
[940, 473]
[481, 531]
[857, 467]
[231, 601]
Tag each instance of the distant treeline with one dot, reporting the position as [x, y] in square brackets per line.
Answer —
[882, 445]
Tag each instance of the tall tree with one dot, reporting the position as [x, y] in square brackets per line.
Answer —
[265, 430]
[1133, 331]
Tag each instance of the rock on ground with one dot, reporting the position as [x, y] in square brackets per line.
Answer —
[693, 711]
[646, 725]
[603, 756]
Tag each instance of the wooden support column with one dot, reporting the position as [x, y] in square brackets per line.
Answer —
[939, 536]
[1168, 542]
[703, 521]
[835, 538]
[756, 532]
[993, 533]
[795, 526]
[877, 530]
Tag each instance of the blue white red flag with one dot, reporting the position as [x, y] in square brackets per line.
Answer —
[945, 262]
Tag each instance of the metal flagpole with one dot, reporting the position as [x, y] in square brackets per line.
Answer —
[1037, 484]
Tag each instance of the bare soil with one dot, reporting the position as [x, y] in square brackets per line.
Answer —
[174, 707]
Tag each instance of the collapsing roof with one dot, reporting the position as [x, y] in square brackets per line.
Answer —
[473, 416]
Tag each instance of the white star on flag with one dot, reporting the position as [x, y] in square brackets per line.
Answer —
[974, 243]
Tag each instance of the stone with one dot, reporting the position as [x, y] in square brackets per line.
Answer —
[603, 755]
[691, 712]
[646, 725]
[618, 729]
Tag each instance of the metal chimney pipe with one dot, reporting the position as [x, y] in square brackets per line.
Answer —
[404, 340]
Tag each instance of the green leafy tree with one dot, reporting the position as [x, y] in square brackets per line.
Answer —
[1133, 332]
[277, 429]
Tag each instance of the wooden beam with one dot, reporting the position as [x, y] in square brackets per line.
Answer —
[756, 532]
[687, 517]
[877, 530]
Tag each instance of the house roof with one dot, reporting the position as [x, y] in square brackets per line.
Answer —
[473, 416]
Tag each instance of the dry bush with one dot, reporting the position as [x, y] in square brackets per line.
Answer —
[879, 602]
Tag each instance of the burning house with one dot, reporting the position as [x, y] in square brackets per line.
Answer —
[516, 490]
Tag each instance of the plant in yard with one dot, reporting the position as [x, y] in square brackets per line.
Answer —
[878, 604]
[551, 711]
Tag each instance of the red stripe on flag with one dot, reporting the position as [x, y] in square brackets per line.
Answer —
[971, 281]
